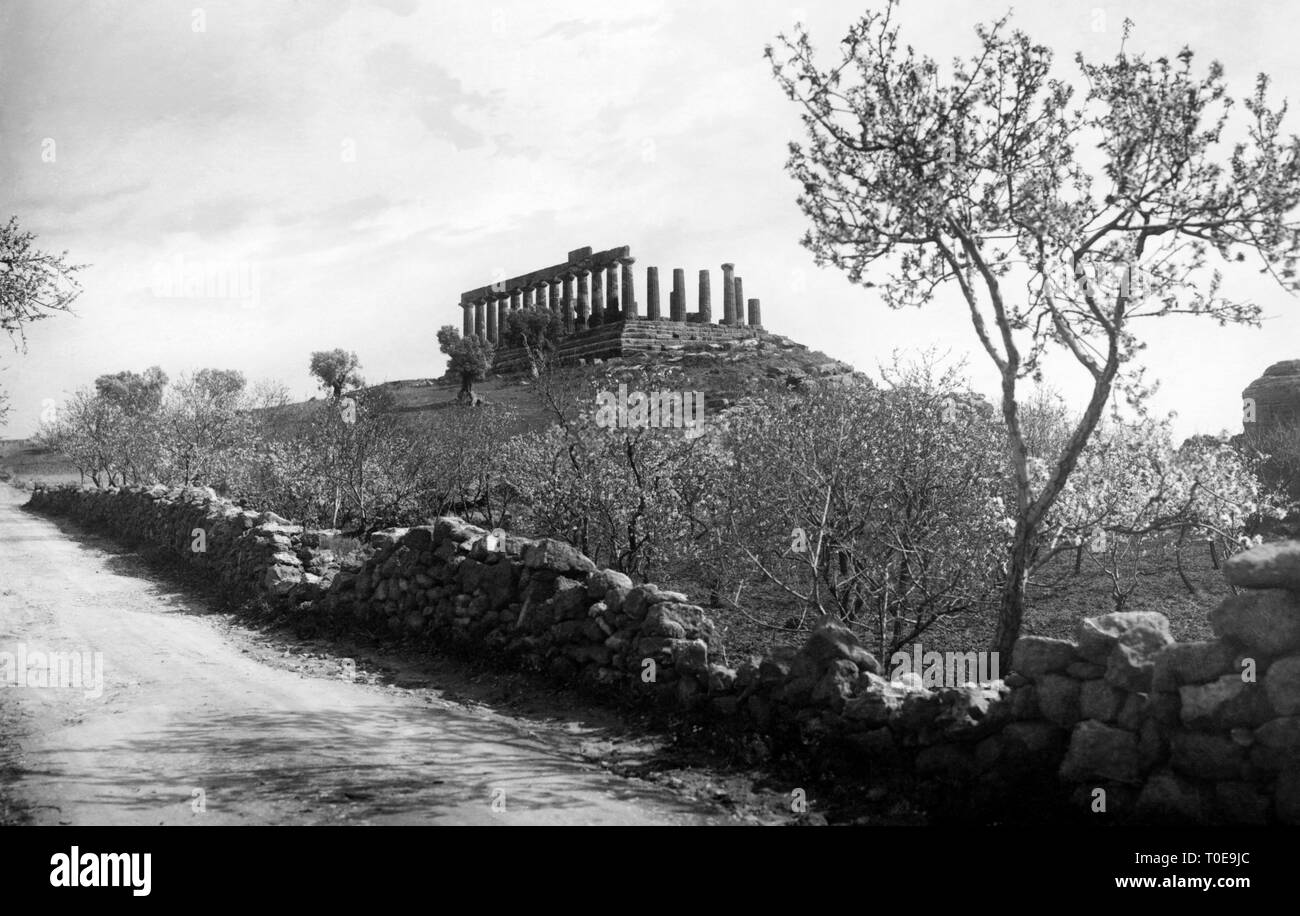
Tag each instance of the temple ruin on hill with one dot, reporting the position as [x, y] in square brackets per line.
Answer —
[594, 293]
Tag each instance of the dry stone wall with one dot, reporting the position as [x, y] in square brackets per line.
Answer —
[1121, 723]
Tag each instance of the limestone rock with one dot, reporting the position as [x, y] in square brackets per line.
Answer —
[1099, 700]
[419, 538]
[1192, 663]
[677, 621]
[971, 707]
[1200, 702]
[1276, 394]
[1099, 751]
[690, 656]
[388, 537]
[1266, 622]
[1282, 684]
[548, 553]
[1132, 658]
[1206, 755]
[721, 678]
[1280, 733]
[1271, 565]
[1033, 738]
[1035, 656]
[1024, 703]
[836, 685]
[1143, 633]
[1168, 796]
[1227, 702]
[1085, 671]
[457, 530]
[497, 582]
[614, 598]
[1131, 713]
[281, 579]
[600, 582]
[638, 600]
[1058, 700]
[832, 640]
[876, 706]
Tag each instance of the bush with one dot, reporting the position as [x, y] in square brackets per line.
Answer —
[880, 506]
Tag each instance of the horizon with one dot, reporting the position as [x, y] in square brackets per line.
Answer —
[359, 165]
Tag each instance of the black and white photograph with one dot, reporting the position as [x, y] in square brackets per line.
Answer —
[880, 414]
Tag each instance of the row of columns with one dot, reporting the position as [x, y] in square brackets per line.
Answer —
[612, 297]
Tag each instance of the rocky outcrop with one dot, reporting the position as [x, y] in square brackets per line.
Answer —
[1274, 396]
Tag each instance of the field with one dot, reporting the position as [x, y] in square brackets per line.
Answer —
[23, 464]
[1053, 611]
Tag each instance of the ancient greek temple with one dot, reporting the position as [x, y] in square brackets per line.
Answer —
[591, 289]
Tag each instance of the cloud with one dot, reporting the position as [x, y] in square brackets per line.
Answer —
[573, 29]
[439, 100]
[398, 7]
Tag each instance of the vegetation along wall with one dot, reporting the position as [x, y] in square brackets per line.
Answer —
[1121, 723]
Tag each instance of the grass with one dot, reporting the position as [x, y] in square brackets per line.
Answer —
[765, 623]
[23, 464]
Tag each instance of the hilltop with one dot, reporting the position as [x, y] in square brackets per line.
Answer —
[725, 370]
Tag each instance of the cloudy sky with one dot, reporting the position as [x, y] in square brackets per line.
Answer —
[356, 165]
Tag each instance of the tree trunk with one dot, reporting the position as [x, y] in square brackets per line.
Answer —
[1012, 609]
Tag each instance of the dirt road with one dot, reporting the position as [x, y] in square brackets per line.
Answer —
[192, 727]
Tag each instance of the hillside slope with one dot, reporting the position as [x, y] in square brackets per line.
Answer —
[725, 372]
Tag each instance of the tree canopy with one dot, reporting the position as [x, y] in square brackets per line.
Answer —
[336, 370]
[1062, 219]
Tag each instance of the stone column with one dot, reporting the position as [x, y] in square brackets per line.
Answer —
[706, 305]
[613, 301]
[492, 323]
[583, 301]
[677, 303]
[515, 296]
[738, 316]
[652, 292]
[570, 302]
[597, 298]
[728, 294]
[468, 328]
[629, 292]
[503, 309]
[755, 315]
[553, 296]
[480, 327]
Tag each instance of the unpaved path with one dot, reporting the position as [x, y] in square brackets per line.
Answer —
[189, 713]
